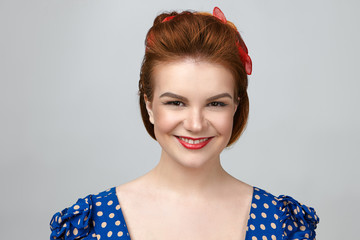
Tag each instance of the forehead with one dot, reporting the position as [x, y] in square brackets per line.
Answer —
[191, 76]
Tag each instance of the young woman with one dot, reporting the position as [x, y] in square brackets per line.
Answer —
[193, 100]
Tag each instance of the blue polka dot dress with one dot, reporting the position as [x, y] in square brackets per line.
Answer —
[100, 217]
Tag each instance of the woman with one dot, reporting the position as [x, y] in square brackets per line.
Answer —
[193, 101]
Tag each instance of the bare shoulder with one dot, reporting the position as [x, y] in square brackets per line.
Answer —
[238, 189]
[134, 190]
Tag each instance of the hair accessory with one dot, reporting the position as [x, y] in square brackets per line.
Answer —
[167, 18]
[243, 51]
[219, 14]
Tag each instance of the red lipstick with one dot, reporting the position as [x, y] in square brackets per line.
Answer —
[193, 143]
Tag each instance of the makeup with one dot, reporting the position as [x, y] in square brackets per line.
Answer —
[193, 143]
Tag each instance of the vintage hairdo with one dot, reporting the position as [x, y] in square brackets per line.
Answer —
[201, 36]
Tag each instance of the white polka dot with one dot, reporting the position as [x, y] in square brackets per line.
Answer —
[76, 212]
[253, 216]
[79, 221]
[302, 228]
[109, 234]
[254, 205]
[262, 226]
[111, 215]
[254, 238]
[85, 218]
[252, 227]
[264, 238]
[98, 237]
[290, 228]
[110, 203]
[257, 197]
[117, 207]
[307, 235]
[263, 215]
[273, 225]
[120, 233]
[103, 225]
[266, 205]
[75, 231]
[273, 237]
[93, 235]
[296, 225]
[98, 204]
[117, 223]
[274, 203]
[76, 207]
[68, 233]
[100, 213]
[276, 216]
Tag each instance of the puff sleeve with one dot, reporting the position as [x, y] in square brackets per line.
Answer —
[298, 221]
[73, 222]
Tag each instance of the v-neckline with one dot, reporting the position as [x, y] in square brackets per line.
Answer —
[117, 201]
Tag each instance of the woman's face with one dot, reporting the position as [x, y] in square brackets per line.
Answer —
[192, 110]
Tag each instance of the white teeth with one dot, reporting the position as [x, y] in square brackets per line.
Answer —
[193, 141]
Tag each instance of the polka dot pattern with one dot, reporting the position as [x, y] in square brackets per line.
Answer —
[100, 217]
[279, 218]
[94, 217]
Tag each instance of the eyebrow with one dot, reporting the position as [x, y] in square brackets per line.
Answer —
[173, 95]
[221, 95]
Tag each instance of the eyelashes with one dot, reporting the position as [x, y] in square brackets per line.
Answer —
[217, 104]
[174, 103]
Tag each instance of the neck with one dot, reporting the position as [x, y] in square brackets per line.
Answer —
[183, 180]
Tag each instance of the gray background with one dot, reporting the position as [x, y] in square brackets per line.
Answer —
[70, 123]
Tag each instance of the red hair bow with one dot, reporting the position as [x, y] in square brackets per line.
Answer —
[243, 51]
[167, 18]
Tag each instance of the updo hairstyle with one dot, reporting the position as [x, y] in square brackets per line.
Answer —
[202, 37]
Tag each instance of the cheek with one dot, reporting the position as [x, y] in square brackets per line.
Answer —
[165, 121]
[223, 123]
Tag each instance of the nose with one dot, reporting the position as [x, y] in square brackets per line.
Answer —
[195, 121]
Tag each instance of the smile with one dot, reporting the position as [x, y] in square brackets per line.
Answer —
[193, 143]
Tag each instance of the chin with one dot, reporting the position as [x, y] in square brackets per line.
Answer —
[195, 162]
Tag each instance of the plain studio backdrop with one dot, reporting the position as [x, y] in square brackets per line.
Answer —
[70, 121]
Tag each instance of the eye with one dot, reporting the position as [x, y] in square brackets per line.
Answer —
[217, 104]
[175, 103]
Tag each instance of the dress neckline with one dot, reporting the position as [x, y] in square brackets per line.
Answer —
[116, 200]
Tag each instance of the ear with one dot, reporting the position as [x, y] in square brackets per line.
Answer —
[236, 104]
[149, 109]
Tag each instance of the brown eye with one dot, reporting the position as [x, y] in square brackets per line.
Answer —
[175, 103]
[217, 104]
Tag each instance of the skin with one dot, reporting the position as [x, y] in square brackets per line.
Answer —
[188, 195]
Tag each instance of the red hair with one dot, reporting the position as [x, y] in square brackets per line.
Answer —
[200, 36]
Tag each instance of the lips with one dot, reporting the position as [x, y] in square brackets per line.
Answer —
[193, 143]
